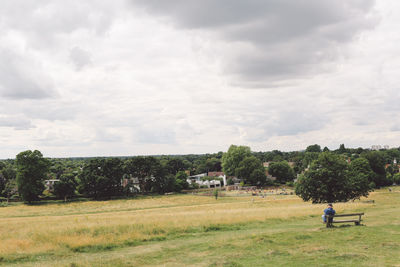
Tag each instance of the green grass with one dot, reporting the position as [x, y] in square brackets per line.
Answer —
[291, 241]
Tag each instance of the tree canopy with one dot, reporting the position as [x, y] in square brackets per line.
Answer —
[314, 148]
[330, 179]
[282, 171]
[31, 172]
[232, 158]
[102, 178]
[251, 170]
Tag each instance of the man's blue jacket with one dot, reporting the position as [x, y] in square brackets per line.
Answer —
[329, 211]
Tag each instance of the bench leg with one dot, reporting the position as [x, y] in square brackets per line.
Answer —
[329, 222]
[357, 223]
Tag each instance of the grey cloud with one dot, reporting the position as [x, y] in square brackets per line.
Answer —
[53, 110]
[154, 135]
[16, 122]
[105, 135]
[282, 39]
[59, 140]
[295, 122]
[80, 57]
[395, 128]
[22, 77]
[260, 124]
[42, 20]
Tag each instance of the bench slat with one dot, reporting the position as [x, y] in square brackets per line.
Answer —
[351, 214]
[346, 221]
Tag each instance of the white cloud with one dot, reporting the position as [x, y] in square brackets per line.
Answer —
[80, 57]
[272, 40]
[16, 122]
[22, 77]
[170, 77]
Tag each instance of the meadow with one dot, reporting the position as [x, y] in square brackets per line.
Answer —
[191, 230]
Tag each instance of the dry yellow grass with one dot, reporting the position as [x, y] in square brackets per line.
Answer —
[52, 228]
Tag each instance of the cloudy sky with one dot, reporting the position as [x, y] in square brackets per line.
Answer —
[140, 77]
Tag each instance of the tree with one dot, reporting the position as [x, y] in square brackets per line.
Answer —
[361, 165]
[330, 179]
[251, 170]
[8, 172]
[213, 164]
[396, 178]
[66, 186]
[359, 178]
[377, 162]
[3, 182]
[180, 181]
[8, 183]
[314, 148]
[144, 169]
[282, 171]
[31, 172]
[232, 158]
[10, 189]
[160, 181]
[102, 178]
[175, 165]
[341, 149]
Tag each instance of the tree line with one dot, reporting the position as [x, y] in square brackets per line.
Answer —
[100, 178]
[97, 178]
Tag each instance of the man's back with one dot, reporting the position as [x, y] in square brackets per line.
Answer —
[329, 211]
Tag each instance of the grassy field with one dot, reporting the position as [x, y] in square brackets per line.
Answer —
[188, 230]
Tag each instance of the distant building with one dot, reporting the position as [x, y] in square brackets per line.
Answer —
[133, 182]
[219, 175]
[198, 179]
[215, 174]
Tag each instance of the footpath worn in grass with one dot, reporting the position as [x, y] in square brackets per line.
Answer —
[187, 230]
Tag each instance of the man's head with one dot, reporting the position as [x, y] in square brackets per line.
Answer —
[330, 205]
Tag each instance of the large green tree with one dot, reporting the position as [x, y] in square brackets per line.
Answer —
[361, 166]
[251, 171]
[359, 178]
[282, 171]
[102, 178]
[145, 169]
[32, 169]
[65, 188]
[175, 165]
[10, 189]
[232, 158]
[330, 179]
[8, 183]
[181, 181]
[314, 148]
[377, 162]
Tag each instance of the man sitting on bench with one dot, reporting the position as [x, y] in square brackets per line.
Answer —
[328, 211]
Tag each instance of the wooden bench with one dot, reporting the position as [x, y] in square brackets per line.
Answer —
[330, 219]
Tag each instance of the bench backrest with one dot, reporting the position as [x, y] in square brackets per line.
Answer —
[344, 215]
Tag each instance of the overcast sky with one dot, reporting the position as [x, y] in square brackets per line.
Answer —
[142, 77]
